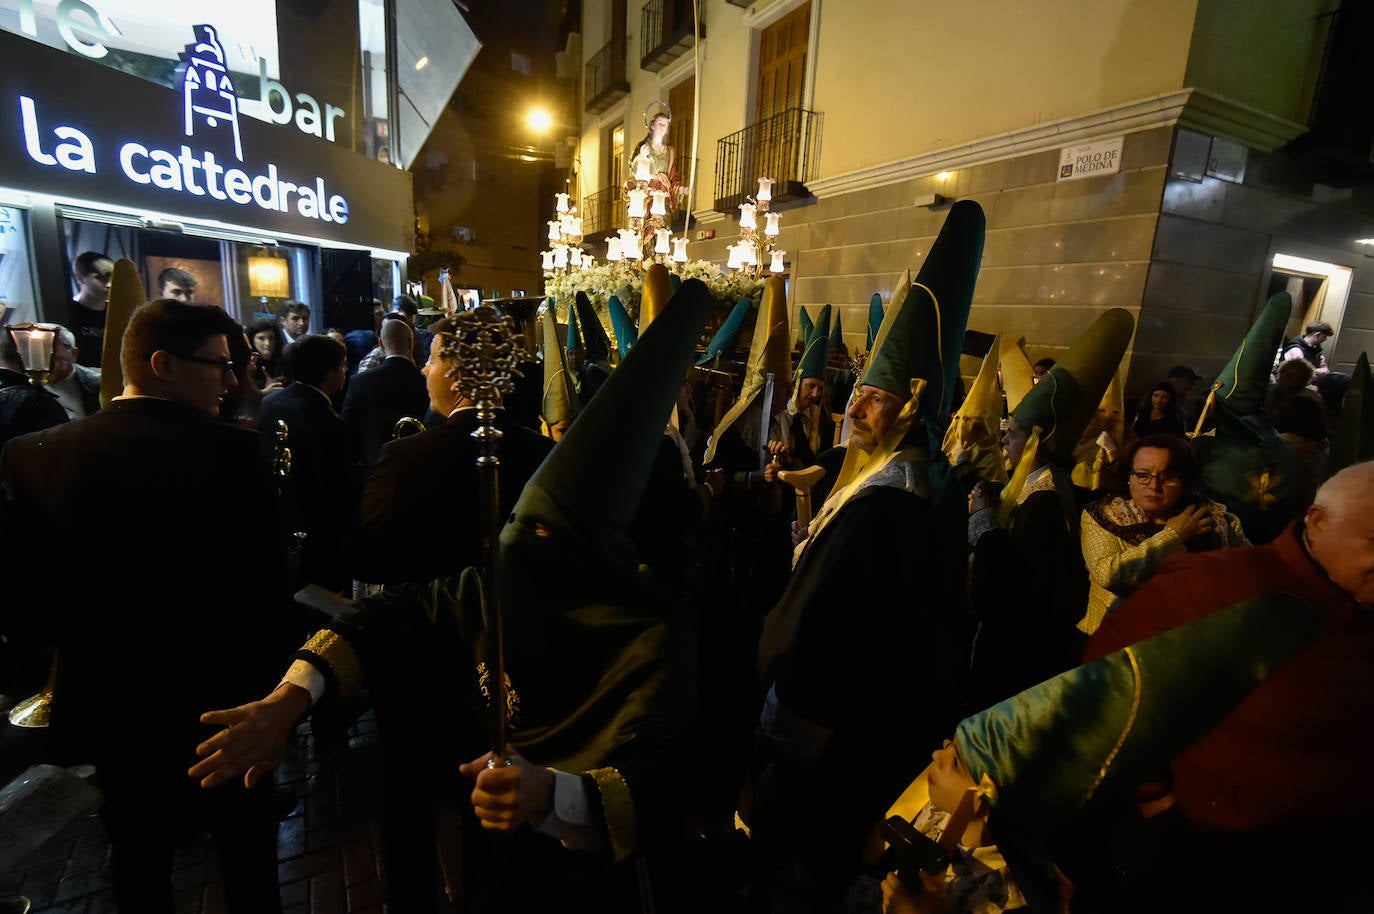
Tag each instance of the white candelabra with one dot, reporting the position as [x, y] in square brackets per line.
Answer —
[565, 239]
[755, 247]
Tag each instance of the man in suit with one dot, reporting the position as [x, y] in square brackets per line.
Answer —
[322, 488]
[376, 400]
[422, 483]
[170, 502]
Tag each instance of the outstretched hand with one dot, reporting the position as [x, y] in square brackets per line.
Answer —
[507, 796]
[253, 740]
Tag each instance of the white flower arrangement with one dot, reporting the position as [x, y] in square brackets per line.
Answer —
[625, 280]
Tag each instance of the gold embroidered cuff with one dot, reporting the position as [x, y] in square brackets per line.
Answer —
[335, 651]
[619, 810]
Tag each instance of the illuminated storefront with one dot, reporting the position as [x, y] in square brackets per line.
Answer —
[189, 135]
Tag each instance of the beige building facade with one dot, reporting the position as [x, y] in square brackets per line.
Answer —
[1189, 107]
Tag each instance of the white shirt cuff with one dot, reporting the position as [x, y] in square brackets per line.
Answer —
[303, 674]
[571, 818]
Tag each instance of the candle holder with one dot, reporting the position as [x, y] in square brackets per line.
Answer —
[565, 239]
[756, 248]
[35, 345]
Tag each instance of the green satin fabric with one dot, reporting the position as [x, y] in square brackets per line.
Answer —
[1098, 730]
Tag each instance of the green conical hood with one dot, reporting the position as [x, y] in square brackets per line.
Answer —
[875, 319]
[1244, 381]
[723, 343]
[574, 336]
[1246, 464]
[1067, 397]
[836, 332]
[804, 326]
[1093, 733]
[923, 335]
[596, 346]
[1353, 440]
[591, 484]
[812, 362]
[560, 396]
[625, 332]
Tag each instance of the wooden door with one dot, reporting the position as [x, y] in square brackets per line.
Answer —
[782, 68]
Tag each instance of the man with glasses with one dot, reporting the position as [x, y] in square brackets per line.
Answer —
[92, 271]
[171, 506]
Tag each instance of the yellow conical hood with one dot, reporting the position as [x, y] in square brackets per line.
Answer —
[974, 435]
[1090, 458]
[126, 294]
[770, 351]
[1017, 375]
[560, 397]
[658, 288]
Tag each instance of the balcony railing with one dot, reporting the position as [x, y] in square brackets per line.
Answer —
[606, 79]
[602, 213]
[783, 147]
[665, 32]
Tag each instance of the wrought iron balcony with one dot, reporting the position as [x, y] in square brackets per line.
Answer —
[665, 32]
[606, 79]
[603, 213]
[783, 147]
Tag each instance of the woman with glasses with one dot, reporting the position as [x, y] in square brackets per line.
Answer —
[1125, 536]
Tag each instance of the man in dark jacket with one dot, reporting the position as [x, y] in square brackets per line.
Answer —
[376, 400]
[171, 502]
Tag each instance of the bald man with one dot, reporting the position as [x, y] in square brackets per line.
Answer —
[377, 399]
[1291, 760]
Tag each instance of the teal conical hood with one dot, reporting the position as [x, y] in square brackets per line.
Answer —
[723, 343]
[591, 484]
[625, 330]
[922, 336]
[804, 326]
[817, 347]
[875, 319]
[1244, 382]
[1093, 733]
[574, 340]
[596, 346]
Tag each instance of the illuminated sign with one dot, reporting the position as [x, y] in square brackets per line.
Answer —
[185, 152]
[139, 32]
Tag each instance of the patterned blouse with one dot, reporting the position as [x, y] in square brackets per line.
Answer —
[1122, 547]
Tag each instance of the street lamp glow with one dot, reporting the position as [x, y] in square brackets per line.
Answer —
[539, 120]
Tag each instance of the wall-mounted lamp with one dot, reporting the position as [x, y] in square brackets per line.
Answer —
[932, 200]
[268, 277]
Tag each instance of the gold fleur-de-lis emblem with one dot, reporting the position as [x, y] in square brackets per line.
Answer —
[1264, 485]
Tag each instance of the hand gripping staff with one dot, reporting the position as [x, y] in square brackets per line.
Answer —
[486, 357]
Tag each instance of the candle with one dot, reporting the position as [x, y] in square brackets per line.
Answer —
[560, 258]
[765, 189]
[771, 229]
[659, 206]
[555, 233]
[38, 360]
[776, 266]
[734, 263]
[661, 237]
[679, 250]
[636, 204]
[746, 216]
[562, 202]
[612, 249]
[642, 172]
[548, 260]
[575, 257]
[747, 255]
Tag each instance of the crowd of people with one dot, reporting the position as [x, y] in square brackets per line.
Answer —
[909, 682]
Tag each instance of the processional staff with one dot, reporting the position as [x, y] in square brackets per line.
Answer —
[486, 360]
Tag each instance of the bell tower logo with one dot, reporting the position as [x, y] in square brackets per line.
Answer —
[207, 88]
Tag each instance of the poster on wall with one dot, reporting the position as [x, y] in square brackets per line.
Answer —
[16, 279]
